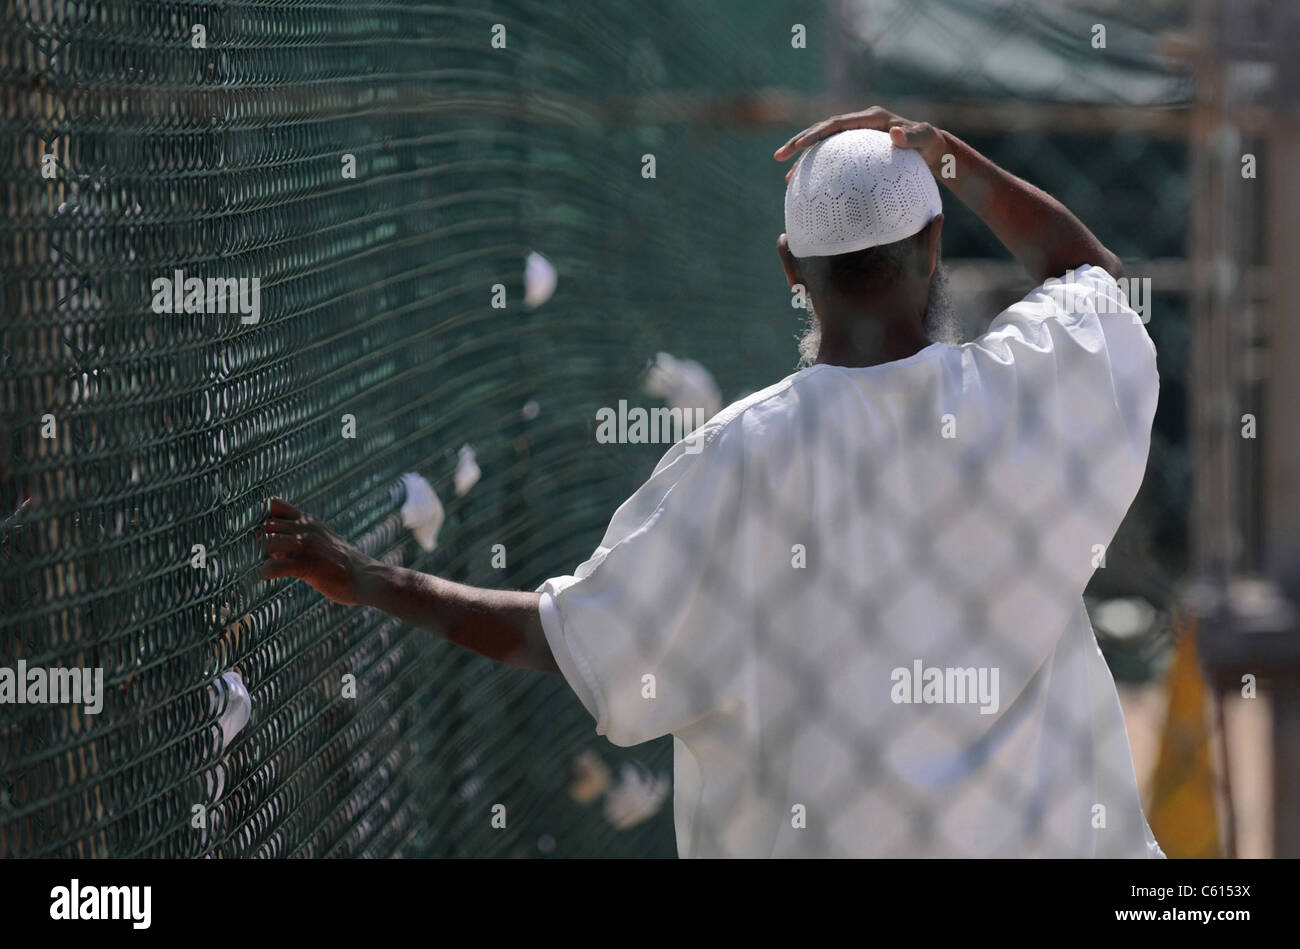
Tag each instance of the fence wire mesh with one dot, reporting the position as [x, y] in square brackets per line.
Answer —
[131, 436]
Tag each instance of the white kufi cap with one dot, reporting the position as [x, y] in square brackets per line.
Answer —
[855, 190]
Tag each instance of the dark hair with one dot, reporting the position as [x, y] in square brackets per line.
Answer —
[859, 270]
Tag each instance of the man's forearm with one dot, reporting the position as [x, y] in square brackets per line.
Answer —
[504, 625]
[1039, 230]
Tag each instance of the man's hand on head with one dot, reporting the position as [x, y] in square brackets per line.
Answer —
[922, 137]
[300, 545]
[1039, 230]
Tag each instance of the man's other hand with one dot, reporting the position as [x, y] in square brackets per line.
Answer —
[300, 545]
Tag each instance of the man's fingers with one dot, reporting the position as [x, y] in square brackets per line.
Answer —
[789, 148]
[282, 508]
[790, 174]
[283, 525]
[911, 135]
[872, 118]
[808, 136]
[283, 566]
[284, 544]
[786, 150]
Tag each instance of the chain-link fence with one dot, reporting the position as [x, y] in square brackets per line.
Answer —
[383, 172]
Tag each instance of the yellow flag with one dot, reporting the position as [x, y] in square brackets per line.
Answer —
[1182, 813]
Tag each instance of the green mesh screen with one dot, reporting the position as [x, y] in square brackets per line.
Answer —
[169, 430]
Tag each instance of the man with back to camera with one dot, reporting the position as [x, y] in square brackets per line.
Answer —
[856, 604]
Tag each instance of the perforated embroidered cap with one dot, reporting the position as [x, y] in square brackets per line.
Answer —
[855, 190]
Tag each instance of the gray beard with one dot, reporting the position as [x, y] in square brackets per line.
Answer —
[940, 323]
[811, 340]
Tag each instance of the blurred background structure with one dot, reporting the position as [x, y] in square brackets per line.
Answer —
[630, 146]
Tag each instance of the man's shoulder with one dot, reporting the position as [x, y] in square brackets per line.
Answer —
[774, 398]
[728, 435]
[764, 414]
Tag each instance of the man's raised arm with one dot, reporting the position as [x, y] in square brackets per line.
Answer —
[1039, 230]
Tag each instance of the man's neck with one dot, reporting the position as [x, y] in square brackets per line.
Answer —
[868, 341]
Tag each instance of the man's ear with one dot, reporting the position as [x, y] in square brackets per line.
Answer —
[933, 245]
[787, 261]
